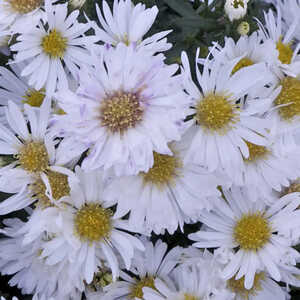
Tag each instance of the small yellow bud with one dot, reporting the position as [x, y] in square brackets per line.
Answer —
[243, 28]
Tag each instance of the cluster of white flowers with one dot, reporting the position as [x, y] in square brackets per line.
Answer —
[103, 144]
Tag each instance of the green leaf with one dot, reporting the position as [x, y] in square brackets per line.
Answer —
[198, 22]
[182, 7]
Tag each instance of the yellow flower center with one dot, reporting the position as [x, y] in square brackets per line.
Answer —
[256, 152]
[289, 96]
[244, 62]
[137, 288]
[165, 169]
[285, 52]
[190, 297]
[215, 113]
[34, 98]
[24, 6]
[33, 157]
[238, 286]
[252, 231]
[120, 112]
[54, 44]
[59, 187]
[93, 223]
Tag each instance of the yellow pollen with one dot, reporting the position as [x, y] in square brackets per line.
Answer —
[256, 152]
[59, 187]
[33, 157]
[190, 297]
[164, 170]
[137, 288]
[216, 113]
[23, 6]
[54, 44]
[120, 112]
[244, 62]
[34, 98]
[238, 286]
[252, 231]
[289, 96]
[285, 52]
[93, 223]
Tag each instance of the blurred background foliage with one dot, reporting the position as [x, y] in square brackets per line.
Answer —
[193, 24]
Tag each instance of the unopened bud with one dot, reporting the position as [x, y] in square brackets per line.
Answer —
[243, 28]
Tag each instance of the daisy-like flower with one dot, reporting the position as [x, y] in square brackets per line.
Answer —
[116, 112]
[34, 160]
[254, 231]
[15, 88]
[219, 127]
[288, 59]
[250, 48]
[17, 14]
[235, 9]
[146, 267]
[263, 288]
[128, 24]
[50, 46]
[268, 168]
[29, 271]
[85, 230]
[190, 283]
[167, 195]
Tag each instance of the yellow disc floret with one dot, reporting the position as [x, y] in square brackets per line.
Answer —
[190, 297]
[165, 169]
[215, 113]
[238, 286]
[34, 98]
[256, 152]
[93, 223]
[137, 288]
[33, 157]
[23, 6]
[120, 112]
[244, 62]
[59, 188]
[290, 98]
[252, 231]
[54, 44]
[285, 52]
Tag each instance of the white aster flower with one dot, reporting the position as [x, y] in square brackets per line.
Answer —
[155, 262]
[84, 228]
[128, 24]
[15, 88]
[35, 157]
[117, 111]
[190, 283]
[17, 15]
[254, 230]
[220, 127]
[30, 272]
[250, 48]
[236, 9]
[167, 195]
[288, 59]
[268, 168]
[48, 47]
